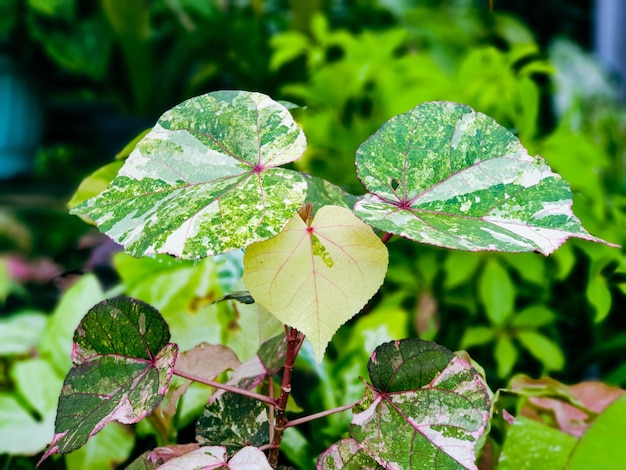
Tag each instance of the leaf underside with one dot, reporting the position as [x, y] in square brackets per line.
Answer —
[314, 277]
[446, 175]
[123, 364]
[205, 179]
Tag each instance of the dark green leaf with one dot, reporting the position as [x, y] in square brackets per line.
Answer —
[122, 368]
[407, 365]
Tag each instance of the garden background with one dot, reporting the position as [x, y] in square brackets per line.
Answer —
[79, 80]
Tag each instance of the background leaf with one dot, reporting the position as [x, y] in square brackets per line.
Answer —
[315, 277]
[446, 175]
[205, 180]
[534, 446]
[122, 367]
[602, 444]
[496, 291]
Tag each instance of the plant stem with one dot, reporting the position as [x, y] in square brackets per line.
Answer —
[294, 342]
[385, 238]
[228, 388]
[321, 414]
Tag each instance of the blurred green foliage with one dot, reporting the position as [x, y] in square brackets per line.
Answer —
[350, 68]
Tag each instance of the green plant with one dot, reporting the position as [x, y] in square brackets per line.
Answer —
[207, 179]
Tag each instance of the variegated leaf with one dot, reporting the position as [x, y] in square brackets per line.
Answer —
[205, 179]
[449, 176]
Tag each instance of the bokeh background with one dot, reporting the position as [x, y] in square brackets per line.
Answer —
[80, 79]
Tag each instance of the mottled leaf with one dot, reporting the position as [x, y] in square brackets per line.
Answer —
[205, 179]
[397, 366]
[122, 368]
[316, 275]
[433, 425]
[346, 454]
[107, 449]
[446, 175]
[94, 184]
[233, 421]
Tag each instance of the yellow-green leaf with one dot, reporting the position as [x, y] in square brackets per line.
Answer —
[314, 277]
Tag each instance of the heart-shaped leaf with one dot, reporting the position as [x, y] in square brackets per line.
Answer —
[315, 276]
[449, 176]
[436, 425]
[205, 180]
[123, 364]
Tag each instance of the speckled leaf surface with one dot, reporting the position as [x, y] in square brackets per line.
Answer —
[233, 421]
[122, 366]
[205, 179]
[316, 275]
[346, 454]
[446, 175]
[436, 425]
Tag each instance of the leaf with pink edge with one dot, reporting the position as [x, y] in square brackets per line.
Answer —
[427, 408]
[449, 176]
[206, 179]
[122, 366]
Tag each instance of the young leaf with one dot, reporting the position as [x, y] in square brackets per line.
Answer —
[205, 180]
[440, 421]
[449, 176]
[314, 277]
[122, 368]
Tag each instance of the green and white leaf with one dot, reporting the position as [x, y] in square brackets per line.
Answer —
[233, 421]
[425, 399]
[205, 179]
[446, 175]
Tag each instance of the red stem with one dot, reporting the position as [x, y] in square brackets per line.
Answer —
[228, 388]
[294, 342]
[385, 238]
[321, 414]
